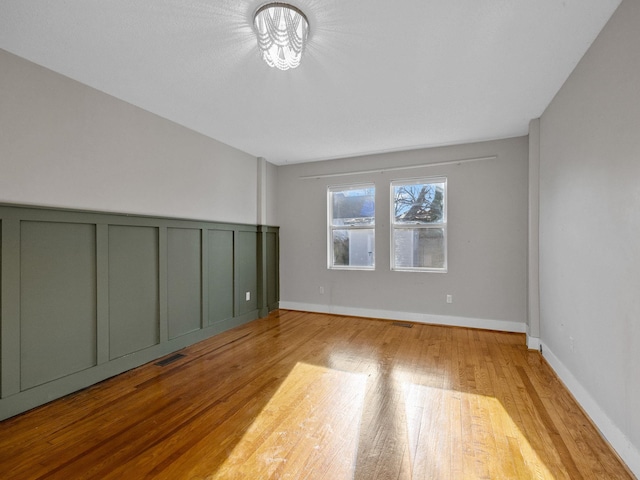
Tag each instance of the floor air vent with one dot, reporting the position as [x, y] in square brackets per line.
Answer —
[169, 360]
[403, 324]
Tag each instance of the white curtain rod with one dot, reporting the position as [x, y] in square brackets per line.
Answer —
[393, 169]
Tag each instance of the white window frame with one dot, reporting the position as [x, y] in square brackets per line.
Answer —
[330, 227]
[401, 226]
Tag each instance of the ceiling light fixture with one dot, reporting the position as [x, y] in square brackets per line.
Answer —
[282, 34]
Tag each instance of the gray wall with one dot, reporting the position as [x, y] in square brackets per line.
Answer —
[487, 273]
[271, 208]
[590, 231]
[63, 144]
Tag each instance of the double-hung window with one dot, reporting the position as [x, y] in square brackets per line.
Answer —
[419, 225]
[351, 221]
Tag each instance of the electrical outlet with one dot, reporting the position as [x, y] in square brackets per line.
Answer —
[247, 296]
[449, 298]
[572, 345]
[321, 290]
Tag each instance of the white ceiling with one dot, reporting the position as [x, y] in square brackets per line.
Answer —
[376, 76]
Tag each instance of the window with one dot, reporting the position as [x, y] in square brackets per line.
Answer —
[419, 225]
[351, 218]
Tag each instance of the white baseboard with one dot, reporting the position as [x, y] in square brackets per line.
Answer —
[620, 443]
[533, 343]
[483, 323]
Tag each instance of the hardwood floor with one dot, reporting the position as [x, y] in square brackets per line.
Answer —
[310, 396]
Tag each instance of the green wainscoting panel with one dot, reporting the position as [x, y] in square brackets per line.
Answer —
[85, 296]
[57, 300]
[133, 289]
[272, 275]
[1, 288]
[10, 316]
[246, 257]
[221, 277]
[184, 260]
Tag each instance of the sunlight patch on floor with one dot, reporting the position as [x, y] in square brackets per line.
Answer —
[455, 451]
[312, 423]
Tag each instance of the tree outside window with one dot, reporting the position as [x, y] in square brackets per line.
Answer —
[419, 224]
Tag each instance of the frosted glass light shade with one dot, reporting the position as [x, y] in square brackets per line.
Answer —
[282, 31]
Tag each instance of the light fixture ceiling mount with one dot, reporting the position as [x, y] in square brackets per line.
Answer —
[282, 31]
